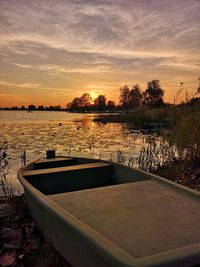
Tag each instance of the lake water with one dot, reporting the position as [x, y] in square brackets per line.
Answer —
[70, 134]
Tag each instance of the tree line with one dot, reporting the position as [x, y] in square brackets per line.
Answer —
[86, 103]
[130, 98]
[32, 107]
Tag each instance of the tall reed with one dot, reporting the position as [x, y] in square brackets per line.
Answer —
[5, 189]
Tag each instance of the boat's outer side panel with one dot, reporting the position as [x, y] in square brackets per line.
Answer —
[64, 238]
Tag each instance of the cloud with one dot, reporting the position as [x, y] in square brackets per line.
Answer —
[62, 70]
[189, 66]
[32, 85]
[74, 43]
[21, 85]
[98, 87]
[90, 27]
[8, 95]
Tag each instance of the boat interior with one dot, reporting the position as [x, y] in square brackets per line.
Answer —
[66, 174]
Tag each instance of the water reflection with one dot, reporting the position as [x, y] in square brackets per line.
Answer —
[77, 136]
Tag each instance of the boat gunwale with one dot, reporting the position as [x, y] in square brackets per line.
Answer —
[103, 246]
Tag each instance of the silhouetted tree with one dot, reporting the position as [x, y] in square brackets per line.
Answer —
[153, 95]
[41, 107]
[31, 107]
[53, 108]
[69, 106]
[22, 108]
[80, 103]
[135, 97]
[100, 102]
[75, 104]
[124, 97]
[15, 108]
[86, 100]
[84, 103]
[111, 105]
[130, 99]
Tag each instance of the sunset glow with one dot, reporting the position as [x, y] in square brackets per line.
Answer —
[53, 51]
[93, 95]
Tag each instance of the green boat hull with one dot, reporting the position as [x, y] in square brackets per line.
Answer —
[100, 214]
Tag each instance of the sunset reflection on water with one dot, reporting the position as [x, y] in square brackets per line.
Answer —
[67, 133]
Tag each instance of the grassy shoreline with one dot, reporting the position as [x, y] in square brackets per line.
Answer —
[181, 130]
[142, 117]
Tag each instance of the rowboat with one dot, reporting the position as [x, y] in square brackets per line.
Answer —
[103, 214]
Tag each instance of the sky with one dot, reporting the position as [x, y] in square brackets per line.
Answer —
[54, 50]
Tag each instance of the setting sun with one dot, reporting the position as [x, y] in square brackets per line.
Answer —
[93, 95]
